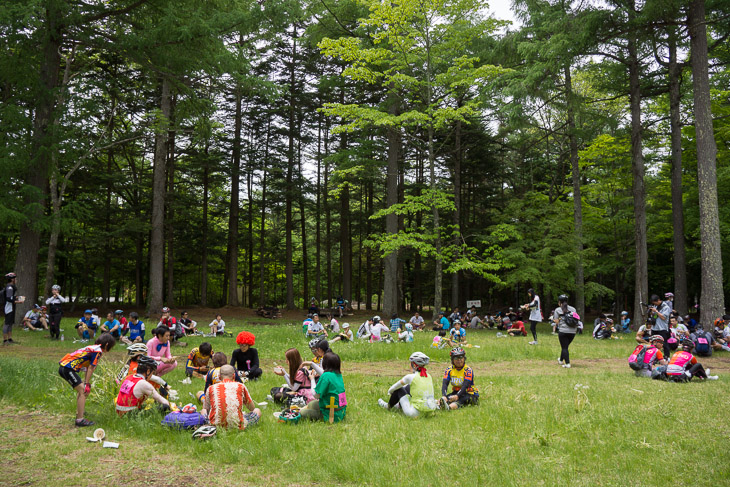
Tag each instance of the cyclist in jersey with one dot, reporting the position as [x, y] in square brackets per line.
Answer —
[214, 376]
[136, 329]
[137, 388]
[652, 356]
[84, 359]
[198, 359]
[461, 378]
[683, 366]
[413, 394]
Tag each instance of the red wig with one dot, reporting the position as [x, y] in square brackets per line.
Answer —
[246, 338]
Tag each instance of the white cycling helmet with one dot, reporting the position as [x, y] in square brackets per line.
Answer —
[56, 287]
[204, 432]
[345, 325]
[419, 358]
[136, 349]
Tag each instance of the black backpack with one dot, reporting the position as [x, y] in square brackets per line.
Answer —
[570, 320]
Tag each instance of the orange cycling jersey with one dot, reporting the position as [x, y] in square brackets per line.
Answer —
[82, 358]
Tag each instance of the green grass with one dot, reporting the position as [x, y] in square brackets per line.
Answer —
[534, 426]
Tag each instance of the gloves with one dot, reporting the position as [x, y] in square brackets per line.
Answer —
[87, 388]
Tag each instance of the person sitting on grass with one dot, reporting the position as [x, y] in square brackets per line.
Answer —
[86, 358]
[652, 356]
[305, 323]
[85, 327]
[170, 322]
[345, 335]
[376, 330]
[198, 359]
[119, 316]
[603, 329]
[442, 323]
[517, 329]
[334, 325]
[625, 322]
[136, 388]
[330, 403]
[188, 325]
[461, 378]
[440, 340]
[95, 317]
[298, 383]
[407, 334]
[136, 329]
[246, 358]
[645, 332]
[683, 366]
[214, 376]
[135, 351]
[112, 326]
[224, 402]
[217, 326]
[722, 331]
[364, 330]
[417, 322]
[413, 394]
[395, 323]
[159, 349]
[458, 334]
[315, 328]
[319, 348]
[35, 319]
[677, 329]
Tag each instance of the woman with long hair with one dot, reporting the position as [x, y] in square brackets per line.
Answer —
[298, 382]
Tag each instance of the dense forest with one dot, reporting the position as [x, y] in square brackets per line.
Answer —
[401, 155]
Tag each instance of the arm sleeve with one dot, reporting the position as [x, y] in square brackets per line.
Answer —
[468, 382]
[208, 381]
[445, 385]
[595, 329]
[401, 383]
[158, 380]
[234, 358]
[157, 397]
[254, 358]
[317, 368]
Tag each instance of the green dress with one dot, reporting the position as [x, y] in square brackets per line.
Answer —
[330, 385]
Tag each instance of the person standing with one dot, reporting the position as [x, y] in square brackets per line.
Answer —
[535, 314]
[566, 320]
[10, 299]
[662, 310]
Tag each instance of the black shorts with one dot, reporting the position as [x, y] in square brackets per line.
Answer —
[10, 318]
[70, 376]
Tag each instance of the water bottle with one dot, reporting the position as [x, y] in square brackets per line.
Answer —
[61, 336]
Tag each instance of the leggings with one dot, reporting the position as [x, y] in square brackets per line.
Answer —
[666, 335]
[54, 323]
[565, 340]
[533, 329]
[401, 396]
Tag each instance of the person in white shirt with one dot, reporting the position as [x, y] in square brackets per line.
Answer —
[334, 324]
[376, 330]
[417, 322]
[345, 335]
[55, 312]
[535, 314]
[217, 326]
[315, 328]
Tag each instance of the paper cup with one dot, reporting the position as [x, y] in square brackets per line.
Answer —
[99, 434]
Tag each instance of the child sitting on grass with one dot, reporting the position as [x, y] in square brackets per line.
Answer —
[136, 329]
[517, 329]
[246, 358]
[458, 334]
[188, 325]
[136, 388]
[198, 358]
[461, 378]
[86, 359]
[217, 326]
[330, 402]
[440, 340]
[345, 335]
[413, 394]
[407, 334]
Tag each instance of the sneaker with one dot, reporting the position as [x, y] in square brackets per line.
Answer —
[566, 366]
[83, 422]
[560, 361]
[382, 404]
[269, 398]
[534, 342]
[707, 372]
[12, 342]
[444, 403]
[712, 377]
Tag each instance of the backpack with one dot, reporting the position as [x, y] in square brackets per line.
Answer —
[702, 344]
[571, 319]
[636, 359]
[180, 420]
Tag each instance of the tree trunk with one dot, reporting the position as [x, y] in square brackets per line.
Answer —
[641, 278]
[42, 146]
[368, 252]
[170, 234]
[345, 243]
[204, 240]
[438, 270]
[390, 283]
[457, 211]
[157, 225]
[262, 228]
[680, 267]
[232, 260]
[577, 202]
[289, 172]
[327, 217]
[305, 262]
[318, 231]
[712, 300]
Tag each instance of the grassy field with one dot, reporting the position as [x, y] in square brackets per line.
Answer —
[537, 424]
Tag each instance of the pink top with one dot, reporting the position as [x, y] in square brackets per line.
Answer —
[155, 349]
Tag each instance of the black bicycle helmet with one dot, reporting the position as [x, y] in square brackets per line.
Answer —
[457, 352]
[147, 362]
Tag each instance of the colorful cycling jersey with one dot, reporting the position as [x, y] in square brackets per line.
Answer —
[126, 400]
[136, 330]
[458, 335]
[88, 322]
[679, 362]
[214, 377]
[196, 360]
[458, 377]
[82, 358]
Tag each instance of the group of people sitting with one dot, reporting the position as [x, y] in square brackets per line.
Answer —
[133, 330]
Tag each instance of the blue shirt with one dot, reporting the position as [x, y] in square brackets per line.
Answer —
[445, 325]
[136, 330]
[459, 334]
[111, 324]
